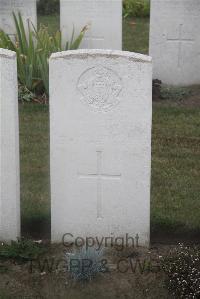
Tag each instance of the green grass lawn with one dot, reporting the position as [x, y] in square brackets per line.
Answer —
[175, 205]
[136, 35]
[175, 170]
[34, 151]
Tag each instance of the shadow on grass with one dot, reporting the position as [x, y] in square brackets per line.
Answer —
[166, 232]
[161, 232]
[36, 227]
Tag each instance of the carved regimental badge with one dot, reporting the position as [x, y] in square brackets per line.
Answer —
[100, 88]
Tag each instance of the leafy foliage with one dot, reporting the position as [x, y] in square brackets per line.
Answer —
[85, 263]
[21, 250]
[33, 52]
[136, 8]
[183, 270]
[25, 95]
[174, 93]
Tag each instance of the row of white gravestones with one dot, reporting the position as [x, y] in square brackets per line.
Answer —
[103, 17]
[175, 41]
[9, 148]
[100, 123]
[28, 11]
[174, 31]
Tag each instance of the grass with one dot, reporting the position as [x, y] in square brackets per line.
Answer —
[136, 35]
[175, 205]
[34, 151]
[135, 32]
[175, 170]
[21, 250]
[51, 21]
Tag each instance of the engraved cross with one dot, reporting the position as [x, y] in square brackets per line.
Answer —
[180, 39]
[100, 176]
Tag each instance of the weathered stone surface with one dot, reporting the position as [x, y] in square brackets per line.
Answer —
[175, 41]
[103, 16]
[27, 8]
[100, 119]
[9, 148]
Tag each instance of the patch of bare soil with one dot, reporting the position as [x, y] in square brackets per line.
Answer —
[191, 102]
[132, 273]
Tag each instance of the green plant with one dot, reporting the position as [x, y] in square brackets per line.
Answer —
[85, 263]
[28, 68]
[33, 52]
[136, 8]
[48, 44]
[182, 267]
[21, 250]
[24, 94]
[174, 93]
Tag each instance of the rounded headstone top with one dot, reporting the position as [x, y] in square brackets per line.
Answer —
[86, 53]
[7, 53]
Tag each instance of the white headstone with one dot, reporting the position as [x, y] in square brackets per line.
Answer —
[9, 148]
[27, 8]
[175, 41]
[100, 115]
[103, 16]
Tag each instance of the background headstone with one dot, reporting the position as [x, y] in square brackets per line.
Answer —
[104, 17]
[9, 148]
[27, 8]
[100, 115]
[175, 41]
